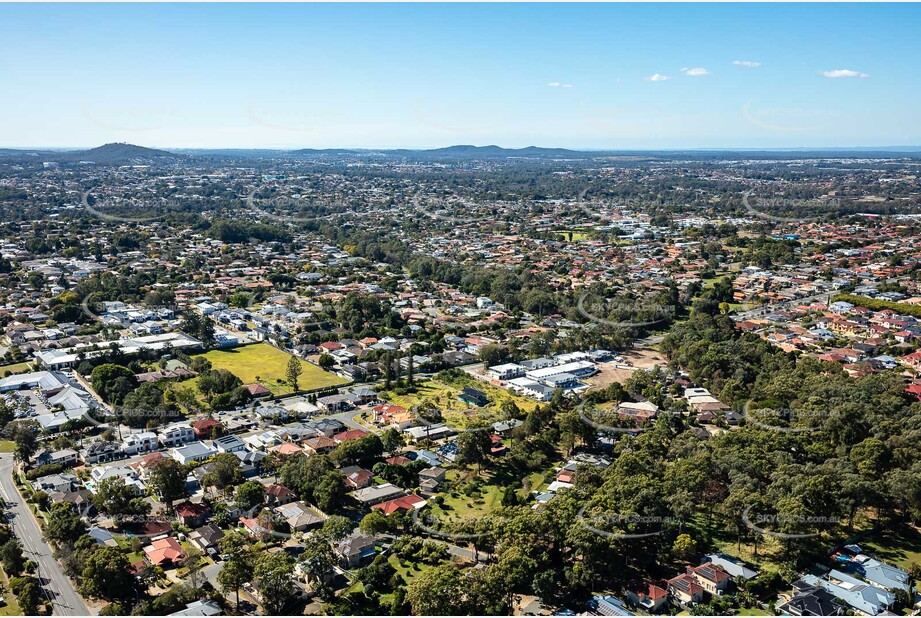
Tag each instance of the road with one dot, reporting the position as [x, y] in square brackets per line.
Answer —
[57, 586]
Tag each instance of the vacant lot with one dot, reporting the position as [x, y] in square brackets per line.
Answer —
[456, 413]
[266, 365]
[637, 358]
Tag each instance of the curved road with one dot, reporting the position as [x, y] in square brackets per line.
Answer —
[56, 585]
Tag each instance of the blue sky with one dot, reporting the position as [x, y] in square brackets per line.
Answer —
[420, 75]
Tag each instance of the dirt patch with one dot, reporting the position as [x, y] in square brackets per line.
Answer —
[619, 371]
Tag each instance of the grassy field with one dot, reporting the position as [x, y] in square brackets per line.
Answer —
[900, 546]
[7, 446]
[268, 364]
[573, 236]
[457, 413]
[24, 367]
[457, 505]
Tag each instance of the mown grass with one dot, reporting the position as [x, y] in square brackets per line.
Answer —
[264, 364]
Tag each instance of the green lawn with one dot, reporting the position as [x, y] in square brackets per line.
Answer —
[24, 367]
[457, 413]
[7, 446]
[900, 546]
[408, 572]
[10, 607]
[268, 364]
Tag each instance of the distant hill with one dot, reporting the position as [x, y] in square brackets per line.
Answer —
[121, 154]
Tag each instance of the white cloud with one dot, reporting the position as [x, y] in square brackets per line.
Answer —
[559, 85]
[844, 73]
[751, 64]
[695, 72]
[657, 78]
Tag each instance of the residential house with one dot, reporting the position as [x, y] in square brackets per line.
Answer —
[166, 552]
[205, 428]
[300, 516]
[191, 514]
[176, 434]
[203, 607]
[650, 597]
[713, 578]
[684, 590]
[229, 444]
[355, 548]
[735, 567]
[62, 483]
[195, 452]
[207, 536]
[473, 397]
[809, 600]
[608, 605]
[377, 493]
[276, 495]
[356, 477]
[101, 452]
[403, 504]
[857, 594]
[137, 443]
[332, 404]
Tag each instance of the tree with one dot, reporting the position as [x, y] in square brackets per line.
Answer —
[113, 382]
[238, 568]
[225, 472]
[293, 371]
[167, 480]
[330, 492]
[493, 354]
[326, 361]
[107, 574]
[25, 440]
[336, 528]
[362, 451]
[249, 495]
[317, 560]
[29, 597]
[116, 499]
[273, 579]
[64, 525]
[684, 547]
[217, 382]
[374, 523]
[12, 558]
[473, 447]
[391, 440]
[440, 591]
